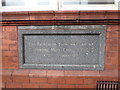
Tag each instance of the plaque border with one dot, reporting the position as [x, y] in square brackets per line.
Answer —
[59, 30]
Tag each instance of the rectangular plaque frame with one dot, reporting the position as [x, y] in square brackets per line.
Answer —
[27, 33]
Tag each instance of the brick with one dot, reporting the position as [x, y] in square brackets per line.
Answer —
[86, 87]
[38, 80]
[5, 35]
[112, 27]
[13, 36]
[66, 86]
[3, 85]
[109, 73]
[119, 35]
[10, 66]
[93, 87]
[13, 85]
[5, 47]
[110, 66]
[56, 80]
[10, 62]
[7, 42]
[3, 28]
[112, 34]
[108, 79]
[20, 79]
[118, 41]
[48, 85]
[10, 35]
[1, 66]
[91, 73]
[44, 22]
[112, 14]
[10, 29]
[55, 73]
[92, 15]
[38, 73]
[119, 67]
[15, 15]
[13, 47]
[74, 81]
[118, 48]
[66, 15]
[73, 73]
[7, 72]
[10, 53]
[113, 41]
[90, 81]
[78, 86]
[111, 57]
[6, 78]
[118, 27]
[42, 15]
[10, 59]
[111, 47]
[111, 61]
[24, 73]
[30, 85]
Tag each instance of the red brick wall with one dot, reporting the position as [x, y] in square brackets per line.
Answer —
[13, 77]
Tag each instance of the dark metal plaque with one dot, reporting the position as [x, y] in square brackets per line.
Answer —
[62, 49]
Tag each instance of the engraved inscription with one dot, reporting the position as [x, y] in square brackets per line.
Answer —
[62, 49]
